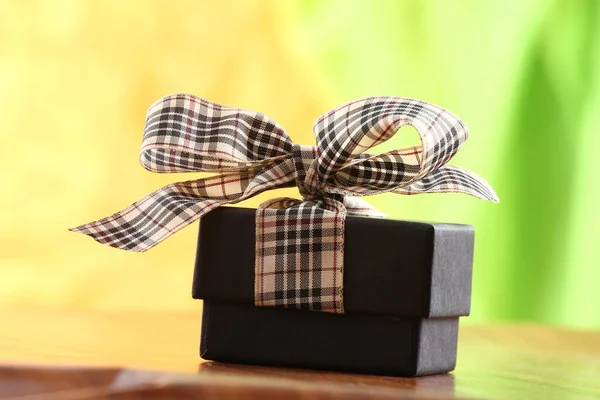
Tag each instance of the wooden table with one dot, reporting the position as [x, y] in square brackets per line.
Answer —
[83, 355]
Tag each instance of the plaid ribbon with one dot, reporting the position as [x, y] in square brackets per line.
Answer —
[299, 243]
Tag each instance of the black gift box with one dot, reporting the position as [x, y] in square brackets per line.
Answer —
[405, 285]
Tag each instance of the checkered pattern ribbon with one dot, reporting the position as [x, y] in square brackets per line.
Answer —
[299, 243]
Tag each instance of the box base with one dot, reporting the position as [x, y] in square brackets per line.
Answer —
[368, 344]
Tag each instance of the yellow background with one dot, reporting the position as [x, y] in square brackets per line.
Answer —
[76, 79]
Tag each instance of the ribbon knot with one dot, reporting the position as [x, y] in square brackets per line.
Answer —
[304, 158]
[299, 244]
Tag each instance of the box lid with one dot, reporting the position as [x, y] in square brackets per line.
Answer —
[391, 267]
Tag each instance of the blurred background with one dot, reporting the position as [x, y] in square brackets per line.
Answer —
[76, 79]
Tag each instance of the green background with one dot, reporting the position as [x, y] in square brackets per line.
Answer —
[524, 76]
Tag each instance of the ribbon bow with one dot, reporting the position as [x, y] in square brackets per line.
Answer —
[299, 243]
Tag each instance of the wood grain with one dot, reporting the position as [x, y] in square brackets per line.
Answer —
[82, 355]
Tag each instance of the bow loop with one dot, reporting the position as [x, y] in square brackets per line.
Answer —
[347, 131]
[377, 173]
[185, 133]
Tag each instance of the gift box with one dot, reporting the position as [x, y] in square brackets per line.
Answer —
[405, 286]
[319, 281]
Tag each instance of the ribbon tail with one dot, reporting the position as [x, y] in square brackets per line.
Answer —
[359, 207]
[451, 179]
[300, 254]
[157, 216]
[152, 219]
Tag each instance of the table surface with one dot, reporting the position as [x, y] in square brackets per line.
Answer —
[92, 355]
